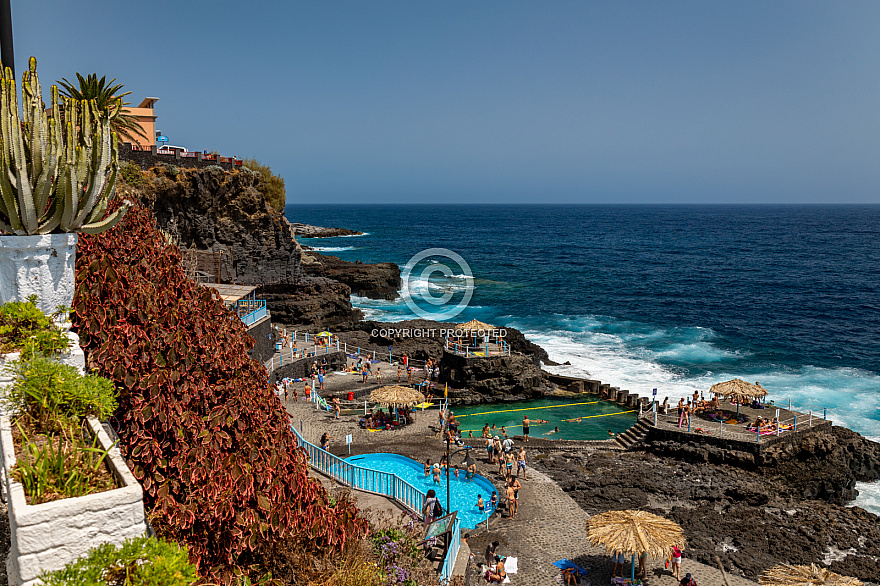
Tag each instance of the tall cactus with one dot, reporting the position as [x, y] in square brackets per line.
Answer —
[58, 169]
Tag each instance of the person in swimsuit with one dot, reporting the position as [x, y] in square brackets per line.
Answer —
[490, 449]
[325, 441]
[498, 573]
[525, 428]
[511, 501]
[428, 468]
[555, 429]
[509, 461]
[521, 462]
[436, 473]
[480, 504]
[494, 499]
[471, 472]
[485, 430]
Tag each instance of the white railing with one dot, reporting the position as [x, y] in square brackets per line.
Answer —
[738, 431]
[381, 483]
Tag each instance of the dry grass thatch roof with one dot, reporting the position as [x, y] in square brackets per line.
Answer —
[812, 575]
[634, 533]
[475, 326]
[397, 396]
[738, 388]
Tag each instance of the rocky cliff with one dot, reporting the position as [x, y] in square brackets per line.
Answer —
[214, 210]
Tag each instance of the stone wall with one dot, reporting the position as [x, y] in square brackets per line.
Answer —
[264, 340]
[301, 368]
[147, 159]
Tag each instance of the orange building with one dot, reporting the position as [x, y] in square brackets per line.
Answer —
[146, 117]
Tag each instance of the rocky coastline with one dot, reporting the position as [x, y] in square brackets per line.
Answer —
[308, 231]
[787, 505]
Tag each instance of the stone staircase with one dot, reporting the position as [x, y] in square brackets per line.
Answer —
[634, 435]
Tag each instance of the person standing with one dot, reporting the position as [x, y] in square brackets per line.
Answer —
[525, 428]
[378, 375]
[676, 562]
[490, 449]
[521, 462]
[321, 379]
[399, 371]
[511, 501]
[336, 406]
[429, 507]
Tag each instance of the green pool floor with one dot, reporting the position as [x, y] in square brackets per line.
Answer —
[597, 418]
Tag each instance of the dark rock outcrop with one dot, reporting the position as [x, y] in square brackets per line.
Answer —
[212, 209]
[375, 281]
[315, 302]
[751, 519]
[493, 379]
[308, 231]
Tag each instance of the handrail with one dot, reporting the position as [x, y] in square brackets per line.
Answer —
[381, 483]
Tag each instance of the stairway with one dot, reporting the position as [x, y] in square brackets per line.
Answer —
[635, 434]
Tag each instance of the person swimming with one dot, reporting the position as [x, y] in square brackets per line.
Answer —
[555, 429]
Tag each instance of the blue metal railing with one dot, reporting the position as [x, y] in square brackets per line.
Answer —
[251, 312]
[382, 483]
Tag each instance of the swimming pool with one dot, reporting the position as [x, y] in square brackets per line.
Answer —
[597, 418]
[463, 497]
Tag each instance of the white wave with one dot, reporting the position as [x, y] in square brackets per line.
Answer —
[847, 396]
[869, 497]
[333, 248]
[352, 235]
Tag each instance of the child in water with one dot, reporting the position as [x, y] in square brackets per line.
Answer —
[480, 503]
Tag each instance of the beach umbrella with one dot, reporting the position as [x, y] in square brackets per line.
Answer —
[397, 396]
[634, 533]
[738, 389]
[324, 334]
[812, 575]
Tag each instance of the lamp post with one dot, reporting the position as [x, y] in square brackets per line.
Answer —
[6, 54]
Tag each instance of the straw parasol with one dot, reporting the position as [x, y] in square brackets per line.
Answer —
[475, 326]
[739, 389]
[635, 533]
[812, 575]
[397, 396]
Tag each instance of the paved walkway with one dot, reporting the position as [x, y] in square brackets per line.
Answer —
[550, 526]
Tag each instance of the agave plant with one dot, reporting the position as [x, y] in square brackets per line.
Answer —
[58, 168]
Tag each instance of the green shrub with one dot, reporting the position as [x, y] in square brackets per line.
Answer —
[140, 561]
[49, 394]
[270, 185]
[24, 327]
[132, 173]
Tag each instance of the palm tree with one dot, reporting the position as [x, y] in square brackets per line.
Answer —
[108, 99]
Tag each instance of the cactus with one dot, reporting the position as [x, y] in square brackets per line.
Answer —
[58, 169]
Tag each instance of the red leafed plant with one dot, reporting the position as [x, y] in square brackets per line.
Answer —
[199, 425]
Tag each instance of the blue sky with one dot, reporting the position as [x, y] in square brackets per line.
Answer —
[507, 102]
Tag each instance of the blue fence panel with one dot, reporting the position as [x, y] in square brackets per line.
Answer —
[377, 482]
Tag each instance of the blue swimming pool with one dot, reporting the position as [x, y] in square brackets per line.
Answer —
[463, 494]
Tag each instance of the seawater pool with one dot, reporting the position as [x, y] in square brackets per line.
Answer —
[463, 495]
[597, 418]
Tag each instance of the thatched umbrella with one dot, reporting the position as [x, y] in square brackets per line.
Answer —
[812, 575]
[397, 396]
[738, 389]
[474, 326]
[635, 533]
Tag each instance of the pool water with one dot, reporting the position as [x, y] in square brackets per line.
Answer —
[463, 495]
[597, 418]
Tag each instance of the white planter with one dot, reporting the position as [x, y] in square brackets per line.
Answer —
[50, 535]
[38, 265]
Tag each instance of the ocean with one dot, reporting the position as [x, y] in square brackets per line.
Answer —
[675, 298]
